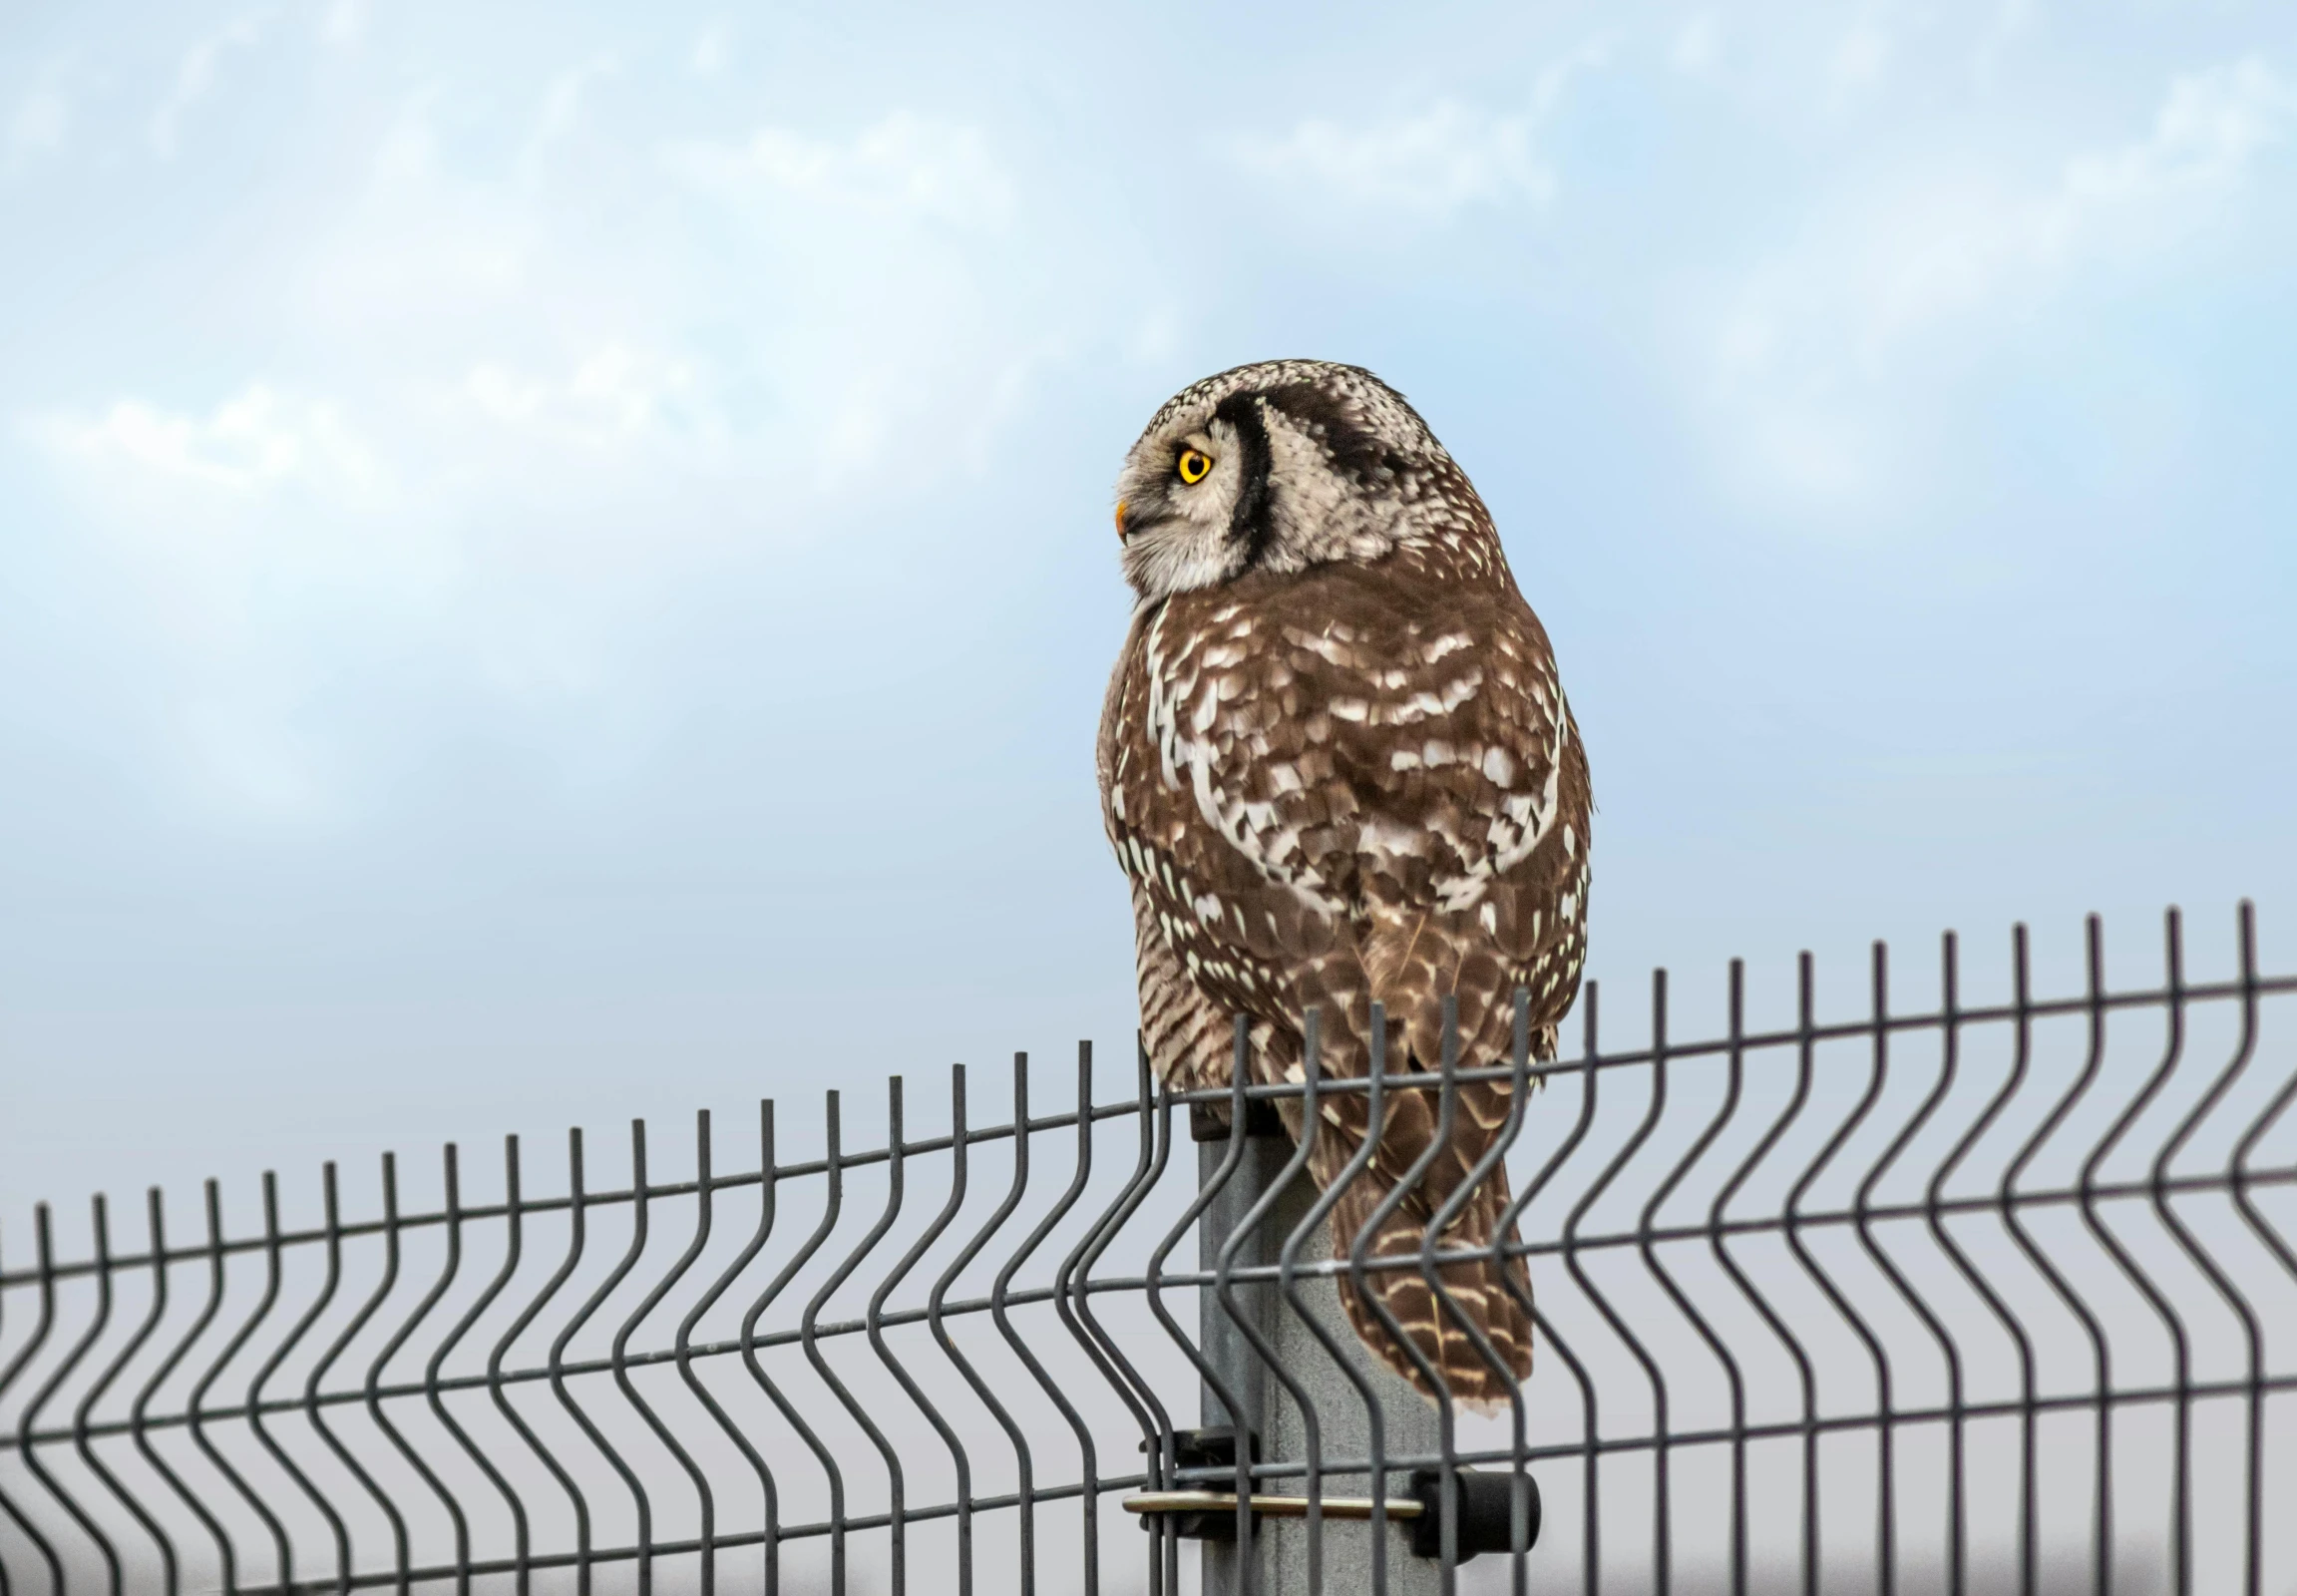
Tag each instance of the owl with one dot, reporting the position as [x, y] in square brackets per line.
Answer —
[1338, 767]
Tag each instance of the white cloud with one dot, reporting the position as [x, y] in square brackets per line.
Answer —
[905, 165]
[1971, 244]
[710, 52]
[792, 306]
[195, 77]
[344, 22]
[1436, 163]
[1810, 350]
[1857, 62]
[2011, 20]
[1697, 46]
[615, 391]
[2207, 130]
[246, 444]
[422, 242]
[38, 124]
[609, 387]
[243, 751]
[1448, 156]
[563, 108]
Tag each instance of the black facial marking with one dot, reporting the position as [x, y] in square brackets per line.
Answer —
[1356, 451]
[1247, 523]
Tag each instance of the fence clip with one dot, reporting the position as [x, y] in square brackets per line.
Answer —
[1195, 1514]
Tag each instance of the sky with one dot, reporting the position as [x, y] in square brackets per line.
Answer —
[554, 561]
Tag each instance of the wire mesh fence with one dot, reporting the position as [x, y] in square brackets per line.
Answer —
[1961, 1297]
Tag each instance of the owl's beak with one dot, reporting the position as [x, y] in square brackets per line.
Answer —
[1120, 520]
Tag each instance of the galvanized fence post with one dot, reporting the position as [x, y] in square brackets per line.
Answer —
[1281, 1562]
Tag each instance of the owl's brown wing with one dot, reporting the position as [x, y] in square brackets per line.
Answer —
[1186, 1014]
[1347, 785]
[1351, 785]
[1219, 934]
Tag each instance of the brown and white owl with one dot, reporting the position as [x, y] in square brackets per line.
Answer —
[1336, 764]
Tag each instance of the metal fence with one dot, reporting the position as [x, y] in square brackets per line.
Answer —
[1983, 1296]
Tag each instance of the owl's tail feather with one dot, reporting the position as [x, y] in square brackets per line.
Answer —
[1478, 1288]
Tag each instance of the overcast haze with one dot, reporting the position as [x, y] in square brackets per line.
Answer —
[556, 560]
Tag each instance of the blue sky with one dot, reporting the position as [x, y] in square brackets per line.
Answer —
[554, 561]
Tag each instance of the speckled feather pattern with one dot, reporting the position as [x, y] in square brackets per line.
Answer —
[1347, 773]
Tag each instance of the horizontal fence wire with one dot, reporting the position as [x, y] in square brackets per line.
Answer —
[1956, 1297]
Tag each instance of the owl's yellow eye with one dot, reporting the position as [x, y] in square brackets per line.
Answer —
[1194, 465]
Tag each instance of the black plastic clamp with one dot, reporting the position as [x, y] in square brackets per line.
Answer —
[1209, 1121]
[1486, 1511]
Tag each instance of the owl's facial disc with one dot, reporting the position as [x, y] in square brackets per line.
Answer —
[1178, 497]
[1277, 467]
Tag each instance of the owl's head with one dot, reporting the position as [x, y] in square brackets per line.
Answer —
[1279, 467]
